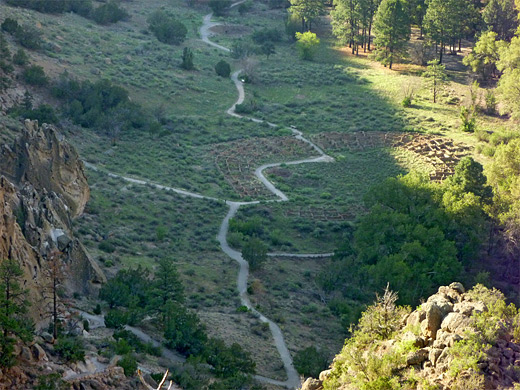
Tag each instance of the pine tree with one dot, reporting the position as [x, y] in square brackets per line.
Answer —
[307, 11]
[392, 30]
[13, 307]
[187, 59]
[437, 77]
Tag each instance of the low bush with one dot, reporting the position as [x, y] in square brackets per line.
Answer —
[109, 13]
[166, 28]
[71, 349]
[29, 37]
[116, 319]
[266, 35]
[35, 75]
[129, 364]
[21, 58]
[223, 69]
[310, 362]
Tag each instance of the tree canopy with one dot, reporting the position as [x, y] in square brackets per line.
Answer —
[392, 29]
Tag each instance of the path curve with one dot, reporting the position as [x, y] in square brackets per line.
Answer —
[293, 378]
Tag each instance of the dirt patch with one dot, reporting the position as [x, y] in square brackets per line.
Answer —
[238, 160]
[231, 30]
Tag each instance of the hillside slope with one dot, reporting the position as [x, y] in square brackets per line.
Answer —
[455, 340]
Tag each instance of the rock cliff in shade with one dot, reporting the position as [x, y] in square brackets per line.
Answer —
[447, 317]
[42, 187]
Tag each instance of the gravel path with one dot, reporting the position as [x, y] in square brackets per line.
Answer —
[293, 378]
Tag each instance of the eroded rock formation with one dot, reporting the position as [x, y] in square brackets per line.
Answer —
[42, 187]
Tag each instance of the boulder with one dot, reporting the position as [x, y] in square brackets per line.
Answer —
[433, 320]
[455, 323]
[312, 384]
[418, 341]
[324, 375]
[457, 287]
[417, 357]
[38, 353]
[434, 354]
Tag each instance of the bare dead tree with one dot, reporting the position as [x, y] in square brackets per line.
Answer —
[161, 383]
[54, 276]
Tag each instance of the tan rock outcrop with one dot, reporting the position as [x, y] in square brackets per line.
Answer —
[42, 188]
[41, 157]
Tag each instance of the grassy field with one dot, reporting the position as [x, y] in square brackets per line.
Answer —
[285, 291]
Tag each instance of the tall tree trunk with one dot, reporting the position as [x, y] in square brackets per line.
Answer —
[369, 34]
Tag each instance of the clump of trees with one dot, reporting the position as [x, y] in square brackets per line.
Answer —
[28, 36]
[219, 7]
[100, 105]
[135, 294]
[167, 28]
[307, 11]
[417, 235]
[105, 14]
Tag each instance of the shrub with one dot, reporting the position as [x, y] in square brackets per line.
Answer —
[219, 6]
[407, 102]
[71, 349]
[50, 382]
[166, 28]
[468, 119]
[82, 7]
[246, 108]
[10, 26]
[242, 49]
[43, 114]
[35, 75]
[307, 43]
[107, 246]
[187, 59]
[310, 362]
[109, 13]
[97, 309]
[491, 102]
[266, 35]
[116, 319]
[129, 364]
[223, 69]
[29, 37]
[244, 7]
[21, 58]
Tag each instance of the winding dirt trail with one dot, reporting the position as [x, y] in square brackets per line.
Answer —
[293, 379]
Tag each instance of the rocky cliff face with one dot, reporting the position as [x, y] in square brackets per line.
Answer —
[42, 187]
[490, 358]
